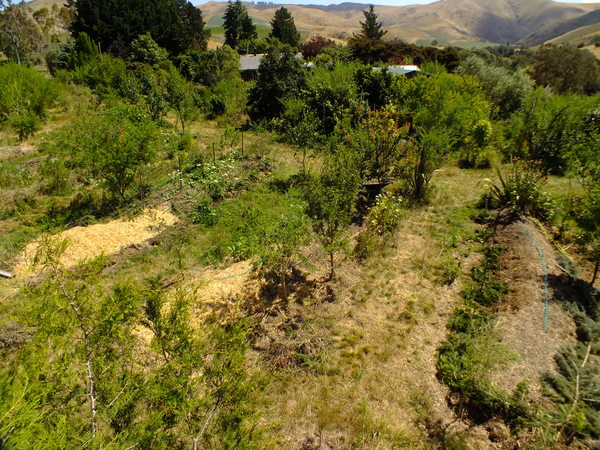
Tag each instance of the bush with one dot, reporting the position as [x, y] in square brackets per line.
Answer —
[109, 147]
[387, 213]
[204, 212]
[519, 192]
[506, 89]
[55, 177]
[24, 98]
[25, 125]
[314, 46]
[145, 50]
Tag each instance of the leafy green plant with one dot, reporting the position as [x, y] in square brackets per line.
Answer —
[25, 98]
[519, 192]
[230, 138]
[386, 214]
[25, 125]
[279, 246]
[331, 199]
[55, 177]
[204, 212]
[110, 147]
[479, 138]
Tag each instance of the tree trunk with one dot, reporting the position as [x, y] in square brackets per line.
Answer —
[332, 273]
[596, 267]
[15, 44]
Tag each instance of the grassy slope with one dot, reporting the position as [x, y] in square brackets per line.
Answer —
[463, 20]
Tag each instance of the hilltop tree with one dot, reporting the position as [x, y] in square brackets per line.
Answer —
[371, 29]
[283, 27]
[114, 24]
[238, 24]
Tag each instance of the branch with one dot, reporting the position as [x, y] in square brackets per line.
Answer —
[576, 396]
[206, 422]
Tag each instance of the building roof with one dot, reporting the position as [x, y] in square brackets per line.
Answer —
[250, 62]
[401, 70]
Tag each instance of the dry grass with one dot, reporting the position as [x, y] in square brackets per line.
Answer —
[377, 385]
[10, 152]
[85, 243]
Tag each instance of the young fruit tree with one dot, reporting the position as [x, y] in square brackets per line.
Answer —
[331, 199]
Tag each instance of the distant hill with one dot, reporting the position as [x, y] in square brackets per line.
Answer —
[586, 24]
[446, 21]
[449, 22]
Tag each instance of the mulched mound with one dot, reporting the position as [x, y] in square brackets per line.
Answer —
[521, 319]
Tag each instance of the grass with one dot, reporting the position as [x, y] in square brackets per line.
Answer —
[382, 334]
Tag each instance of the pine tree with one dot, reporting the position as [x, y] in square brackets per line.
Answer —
[283, 27]
[238, 25]
[371, 29]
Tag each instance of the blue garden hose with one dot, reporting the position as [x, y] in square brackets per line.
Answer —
[544, 268]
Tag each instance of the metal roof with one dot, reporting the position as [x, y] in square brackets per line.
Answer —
[400, 70]
[250, 62]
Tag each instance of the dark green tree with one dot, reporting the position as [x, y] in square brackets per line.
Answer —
[566, 69]
[283, 27]
[211, 67]
[238, 24]
[194, 23]
[371, 29]
[114, 24]
[280, 75]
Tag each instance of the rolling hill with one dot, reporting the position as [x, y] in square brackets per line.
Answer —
[447, 21]
[582, 25]
[453, 22]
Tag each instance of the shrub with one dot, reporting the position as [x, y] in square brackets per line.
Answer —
[506, 89]
[25, 125]
[204, 212]
[387, 213]
[331, 199]
[314, 46]
[109, 147]
[144, 49]
[24, 98]
[519, 192]
[55, 177]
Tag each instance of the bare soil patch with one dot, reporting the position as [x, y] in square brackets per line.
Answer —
[15, 151]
